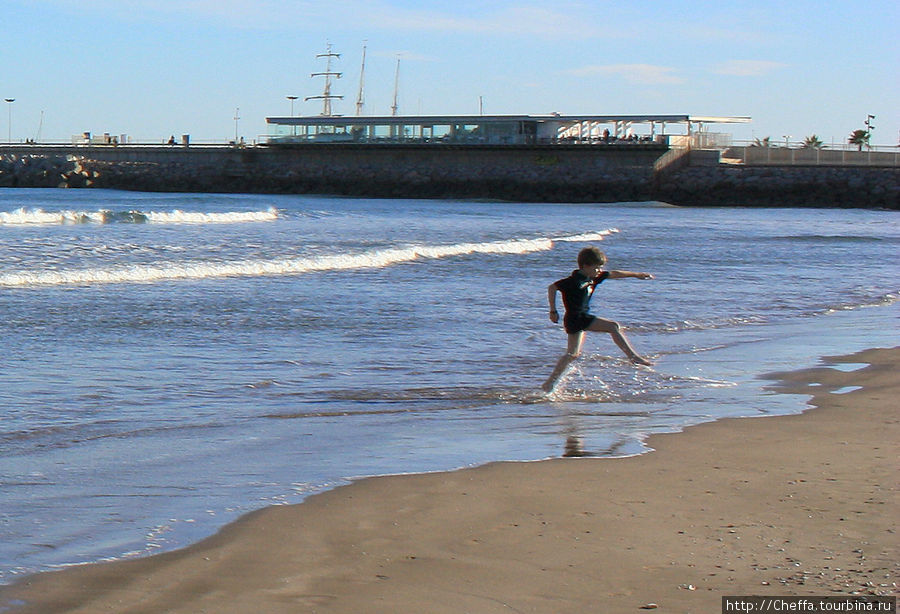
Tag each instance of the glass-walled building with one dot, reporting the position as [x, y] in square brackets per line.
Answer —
[486, 129]
[393, 129]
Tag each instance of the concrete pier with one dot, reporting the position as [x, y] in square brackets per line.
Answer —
[552, 173]
[548, 173]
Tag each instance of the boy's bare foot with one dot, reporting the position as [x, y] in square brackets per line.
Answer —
[640, 360]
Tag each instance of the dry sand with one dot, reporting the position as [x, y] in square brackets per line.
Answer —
[792, 505]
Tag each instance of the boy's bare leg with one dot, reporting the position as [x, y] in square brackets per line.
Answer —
[572, 352]
[600, 325]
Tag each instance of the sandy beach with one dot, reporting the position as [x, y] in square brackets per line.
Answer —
[789, 505]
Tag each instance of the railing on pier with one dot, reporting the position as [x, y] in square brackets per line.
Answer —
[795, 154]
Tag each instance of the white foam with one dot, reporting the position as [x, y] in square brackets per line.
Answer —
[192, 217]
[289, 266]
[879, 301]
[589, 236]
[41, 217]
[38, 217]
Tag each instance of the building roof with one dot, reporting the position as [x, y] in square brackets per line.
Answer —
[349, 120]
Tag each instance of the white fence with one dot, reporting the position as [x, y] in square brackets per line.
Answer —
[794, 154]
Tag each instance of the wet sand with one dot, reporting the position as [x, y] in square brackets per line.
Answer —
[790, 505]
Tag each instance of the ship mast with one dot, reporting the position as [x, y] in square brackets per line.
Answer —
[326, 97]
[360, 101]
[395, 106]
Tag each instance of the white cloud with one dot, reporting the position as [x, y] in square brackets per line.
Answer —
[563, 20]
[642, 74]
[747, 68]
[709, 32]
[568, 20]
[233, 13]
[405, 56]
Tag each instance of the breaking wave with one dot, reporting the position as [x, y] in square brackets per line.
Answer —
[288, 266]
[881, 300]
[41, 217]
[588, 236]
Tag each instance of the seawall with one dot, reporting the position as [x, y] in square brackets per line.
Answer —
[557, 173]
[782, 186]
[560, 173]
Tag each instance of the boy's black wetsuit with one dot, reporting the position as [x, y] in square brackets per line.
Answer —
[577, 290]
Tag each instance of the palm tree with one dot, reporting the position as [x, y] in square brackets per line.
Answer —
[859, 138]
[766, 142]
[812, 142]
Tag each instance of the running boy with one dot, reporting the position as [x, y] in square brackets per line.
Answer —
[576, 291]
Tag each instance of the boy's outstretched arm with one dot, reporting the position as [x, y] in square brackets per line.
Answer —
[551, 300]
[627, 274]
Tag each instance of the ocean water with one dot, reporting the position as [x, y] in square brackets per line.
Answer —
[171, 361]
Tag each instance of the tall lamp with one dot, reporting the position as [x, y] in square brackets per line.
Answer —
[9, 102]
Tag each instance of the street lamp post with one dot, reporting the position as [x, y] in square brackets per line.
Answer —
[9, 102]
[869, 129]
[292, 99]
[237, 117]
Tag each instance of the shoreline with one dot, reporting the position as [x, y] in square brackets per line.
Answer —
[732, 507]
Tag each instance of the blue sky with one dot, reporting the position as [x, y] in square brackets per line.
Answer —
[155, 68]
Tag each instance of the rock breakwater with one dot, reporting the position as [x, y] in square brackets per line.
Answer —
[40, 171]
[535, 176]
